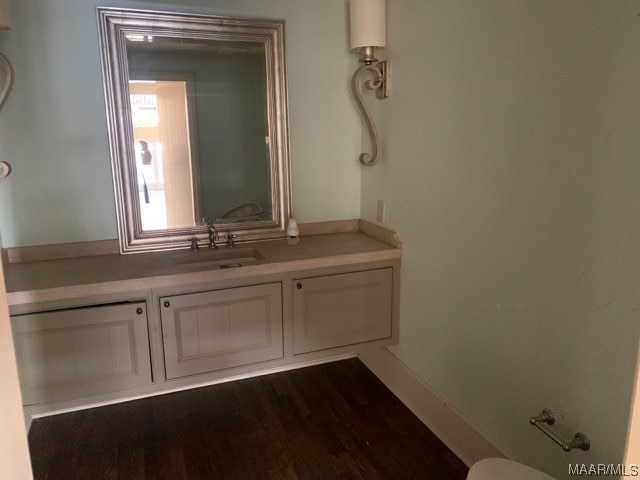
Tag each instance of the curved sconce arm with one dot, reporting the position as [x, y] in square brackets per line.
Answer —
[379, 84]
[6, 78]
[6, 82]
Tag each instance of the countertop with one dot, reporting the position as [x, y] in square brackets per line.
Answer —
[39, 281]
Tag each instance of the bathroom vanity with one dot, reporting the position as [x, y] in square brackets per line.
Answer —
[108, 327]
[111, 320]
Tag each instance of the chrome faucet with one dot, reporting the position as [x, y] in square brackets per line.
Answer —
[230, 243]
[213, 233]
[194, 244]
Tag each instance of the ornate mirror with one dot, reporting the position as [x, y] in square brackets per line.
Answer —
[198, 129]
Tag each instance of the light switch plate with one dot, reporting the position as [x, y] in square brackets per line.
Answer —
[380, 213]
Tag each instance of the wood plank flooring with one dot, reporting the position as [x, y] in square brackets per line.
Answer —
[331, 421]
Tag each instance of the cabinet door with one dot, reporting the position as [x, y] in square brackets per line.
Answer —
[337, 310]
[81, 352]
[209, 331]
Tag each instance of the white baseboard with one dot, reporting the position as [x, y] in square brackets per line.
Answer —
[455, 430]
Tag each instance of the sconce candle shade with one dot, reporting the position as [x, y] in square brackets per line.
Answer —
[367, 24]
[4, 14]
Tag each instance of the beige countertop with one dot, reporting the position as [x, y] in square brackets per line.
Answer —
[50, 280]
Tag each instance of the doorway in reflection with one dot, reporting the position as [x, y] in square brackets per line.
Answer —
[166, 175]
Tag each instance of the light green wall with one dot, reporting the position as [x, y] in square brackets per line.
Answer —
[512, 172]
[53, 126]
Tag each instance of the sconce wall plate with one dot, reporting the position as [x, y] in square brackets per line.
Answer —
[5, 170]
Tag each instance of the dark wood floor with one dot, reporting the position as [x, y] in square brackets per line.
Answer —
[331, 421]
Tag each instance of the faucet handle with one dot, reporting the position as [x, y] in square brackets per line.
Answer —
[230, 242]
[213, 236]
[207, 221]
[194, 244]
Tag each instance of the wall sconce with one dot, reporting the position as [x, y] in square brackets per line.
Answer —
[6, 70]
[6, 75]
[368, 34]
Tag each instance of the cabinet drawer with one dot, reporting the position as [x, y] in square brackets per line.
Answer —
[204, 332]
[81, 352]
[337, 310]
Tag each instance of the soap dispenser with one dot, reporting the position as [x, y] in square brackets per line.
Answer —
[293, 233]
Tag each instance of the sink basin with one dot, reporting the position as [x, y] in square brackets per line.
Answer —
[220, 258]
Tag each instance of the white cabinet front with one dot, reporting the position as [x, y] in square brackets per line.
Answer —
[337, 310]
[209, 331]
[80, 352]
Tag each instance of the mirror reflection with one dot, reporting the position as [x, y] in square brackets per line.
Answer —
[200, 131]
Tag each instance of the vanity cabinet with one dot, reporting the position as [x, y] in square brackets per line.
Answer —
[337, 310]
[138, 325]
[81, 352]
[214, 330]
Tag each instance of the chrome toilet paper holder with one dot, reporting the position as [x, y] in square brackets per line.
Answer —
[546, 417]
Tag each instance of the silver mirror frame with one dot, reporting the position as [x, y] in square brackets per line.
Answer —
[113, 25]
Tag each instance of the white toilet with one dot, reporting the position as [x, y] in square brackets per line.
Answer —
[501, 469]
